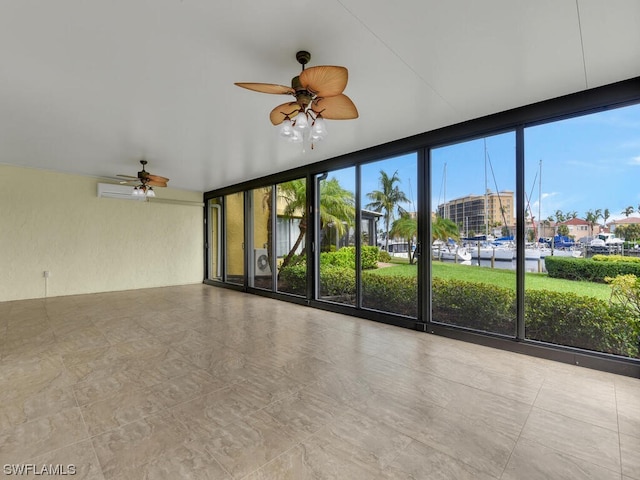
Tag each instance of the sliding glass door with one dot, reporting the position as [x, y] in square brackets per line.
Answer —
[335, 224]
[389, 235]
[473, 234]
[234, 238]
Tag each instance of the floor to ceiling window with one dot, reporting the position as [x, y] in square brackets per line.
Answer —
[582, 177]
[214, 236]
[291, 236]
[261, 266]
[235, 242]
[473, 227]
[389, 224]
[335, 223]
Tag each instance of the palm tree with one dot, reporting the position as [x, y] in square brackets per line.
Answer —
[605, 216]
[591, 219]
[627, 211]
[386, 200]
[444, 229]
[336, 206]
[406, 227]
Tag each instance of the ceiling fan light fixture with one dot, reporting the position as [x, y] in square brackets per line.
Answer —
[286, 129]
[297, 137]
[150, 192]
[301, 122]
[319, 129]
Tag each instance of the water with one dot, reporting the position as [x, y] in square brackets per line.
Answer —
[530, 265]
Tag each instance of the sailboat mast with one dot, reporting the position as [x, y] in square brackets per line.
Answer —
[444, 189]
[539, 198]
[486, 197]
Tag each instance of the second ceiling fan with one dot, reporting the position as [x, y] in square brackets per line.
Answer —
[318, 92]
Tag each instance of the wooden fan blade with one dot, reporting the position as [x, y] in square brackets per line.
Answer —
[157, 178]
[156, 183]
[268, 88]
[279, 113]
[129, 182]
[339, 107]
[127, 176]
[325, 81]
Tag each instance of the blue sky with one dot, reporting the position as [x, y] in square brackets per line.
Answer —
[588, 163]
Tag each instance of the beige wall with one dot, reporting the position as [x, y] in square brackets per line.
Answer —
[56, 222]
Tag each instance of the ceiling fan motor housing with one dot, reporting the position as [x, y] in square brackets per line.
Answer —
[303, 57]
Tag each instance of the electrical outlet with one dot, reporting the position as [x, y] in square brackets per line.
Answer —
[46, 274]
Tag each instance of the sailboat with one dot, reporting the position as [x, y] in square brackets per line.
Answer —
[541, 250]
[448, 250]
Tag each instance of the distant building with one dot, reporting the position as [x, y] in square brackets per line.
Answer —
[469, 212]
[579, 228]
[622, 221]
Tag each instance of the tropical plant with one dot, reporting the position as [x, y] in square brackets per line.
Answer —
[627, 211]
[630, 232]
[563, 230]
[386, 200]
[592, 217]
[605, 216]
[406, 227]
[336, 207]
[267, 205]
[444, 229]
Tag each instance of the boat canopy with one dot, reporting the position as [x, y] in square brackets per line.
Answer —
[559, 241]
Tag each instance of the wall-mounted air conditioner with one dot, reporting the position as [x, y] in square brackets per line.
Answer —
[113, 190]
[261, 265]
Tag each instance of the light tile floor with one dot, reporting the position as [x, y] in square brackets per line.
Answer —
[207, 383]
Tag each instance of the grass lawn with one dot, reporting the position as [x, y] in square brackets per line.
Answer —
[501, 278]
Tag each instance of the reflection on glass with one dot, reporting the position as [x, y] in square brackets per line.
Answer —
[389, 231]
[262, 238]
[234, 217]
[291, 231]
[582, 209]
[473, 234]
[337, 237]
[215, 239]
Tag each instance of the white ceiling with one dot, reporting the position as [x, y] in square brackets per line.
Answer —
[90, 87]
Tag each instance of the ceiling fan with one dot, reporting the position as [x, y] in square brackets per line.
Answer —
[318, 96]
[144, 182]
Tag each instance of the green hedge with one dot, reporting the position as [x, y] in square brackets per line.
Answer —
[346, 258]
[578, 321]
[615, 258]
[560, 318]
[397, 294]
[589, 269]
[474, 305]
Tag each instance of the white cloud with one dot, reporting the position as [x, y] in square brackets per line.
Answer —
[635, 161]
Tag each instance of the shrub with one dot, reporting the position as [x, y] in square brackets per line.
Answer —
[384, 256]
[295, 278]
[615, 258]
[588, 269]
[346, 258]
[394, 293]
[474, 305]
[369, 255]
[578, 321]
[338, 282]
